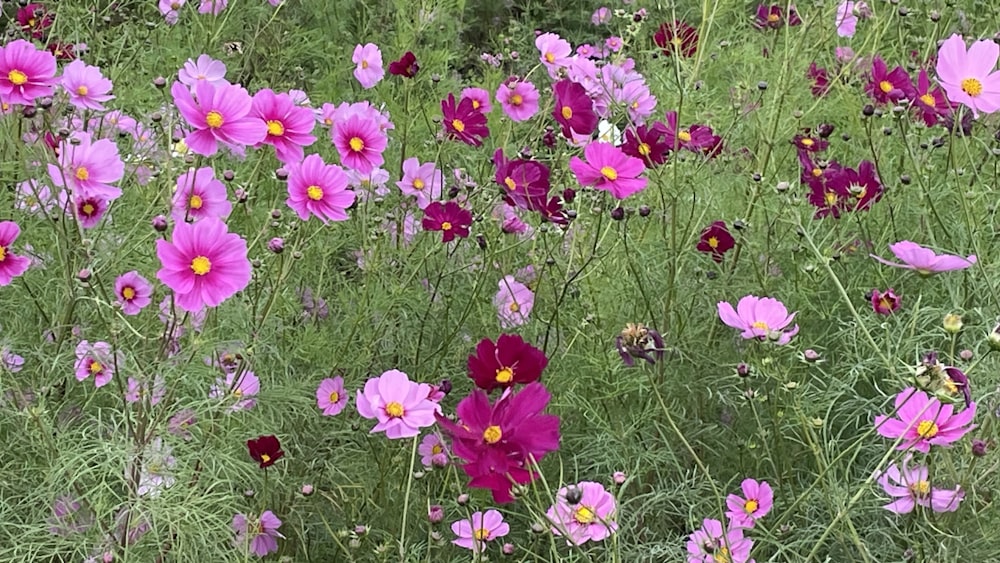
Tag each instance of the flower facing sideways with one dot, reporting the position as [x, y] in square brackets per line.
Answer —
[265, 450]
[587, 517]
[257, 536]
[923, 260]
[910, 486]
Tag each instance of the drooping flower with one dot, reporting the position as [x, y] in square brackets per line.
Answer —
[86, 86]
[508, 362]
[319, 189]
[205, 69]
[133, 291]
[588, 516]
[762, 318]
[239, 386]
[11, 265]
[968, 76]
[289, 125]
[463, 122]
[639, 341]
[199, 195]
[713, 543]
[910, 486]
[847, 17]
[756, 502]
[331, 398]
[519, 99]
[677, 37]
[433, 452]
[265, 450]
[26, 72]
[481, 527]
[96, 360]
[203, 263]
[218, 113]
[88, 168]
[360, 142]
[181, 422]
[406, 66]
[716, 240]
[554, 52]
[257, 536]
[920, 421]
[948, 384]
[923, 260]
[574, 109]
[401, 406]
[449, 217]
[885, 303]
[369, 71]
[422, 181]
[514, 302]
[608, 168]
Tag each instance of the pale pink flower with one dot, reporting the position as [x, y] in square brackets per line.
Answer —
[514, 302]
[923, 260]
[968, 77]
[433, 451]
[200, 195]
[422, 181]
[401, 406]
[369, 71]
[762, 318]
[480, 528]
[204, 69]
[519, 99]
[591, 517]
[554, 52]
[331, 398]
[86, 86]
[910, 487]
[920, 422]
[260, 536]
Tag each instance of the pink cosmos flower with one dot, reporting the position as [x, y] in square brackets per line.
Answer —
[601, 16]
[920, 421]
[846, 19]
[433, 452]
[756, 502]
[369, 71]
[205, 69]
[885, 303]
[289, 126]
[519, 99]
[514, 302]
[713, 543]
[88, 168]
[923, 260]
[239, 387]
[96, 360]
[763, 318]
[554, 52]
[401, 406]
[331, 398]
[169, 10]
[11, 265]
[138, 389]
[258, 537]
[589, 518]
[910, 487]
[574, 110]
[463, 122]
[968, 77]
[608, 168]
[204, 264]
[360, 142]
[478, 529]
[26, 72]
[89, 210]
[213, 7]
[200, 195]
[133, 291]
[86, 86]
[220, 114]
[480, 99]
[320, 189]
[423, 181]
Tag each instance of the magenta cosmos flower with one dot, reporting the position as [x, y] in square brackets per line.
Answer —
[910, 487]
[514, 302]
[763, 318]
[369, 71]
[258, 537]
[589, 518]
[463, 122]
[331, 398]
[713, 543]
[574, 110]
[203, 263]
[96, 360]
[449, 218]
[86, 86]
[360, 142]
[319, 189]
[508, 362]
[519, 99]
[433, 452]
[26, 72]
[968, 77]
[885, 303]
[289, 125]
[11, 265]
[200, 195]
[88, 168]
[401, 406]
[608, 168]
[756, 502]
[133, 291]
[218, 113]
[480, 528]
[422, 181]
[920, 421]
[923, 260]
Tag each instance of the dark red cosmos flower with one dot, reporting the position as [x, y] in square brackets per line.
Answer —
[463, 122]
[553, 212]
[820, 78]
[35, 19]
[406, 66]
[889, 87]
[697, 138]
[508, 362]
[449, 218]
[265, 450]
[677, 37]
[772, 17]
[716, 240]
[885, 303]
[648, 144]
[838, 189]
[574, 110]
[62, 51]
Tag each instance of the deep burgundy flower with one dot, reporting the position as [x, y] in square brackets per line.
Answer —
[716, 240]
[554, 212]
[820, 80]
[861, 186]
[889, 87]
[265, 450]
[677, 37]
[463, 122]
[772, 17]
[508, 362]
[639, 341]
[931, 104]
[574, 110]
[809, 144]
[449, 218]
[648, 144]
[406, 66]
[35, 19]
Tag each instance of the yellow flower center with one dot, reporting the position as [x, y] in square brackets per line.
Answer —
[82, 174]
[275, 128]
[830, 198]
[357, 145]
[816, 172]
[644, 149]
[761, 325]
[475, 104]
[509, 182]
[314, 192]
[584, 515]
[238, 393]
[482, 534]
[458, 125]
[128, 293]
[492, 434]
[195, 202]
[334, 396]
[773, 18]
[394, 410]
[609, 173]
[885, 303]
[446, 226]
[928, 99]
[885, 86]
[807, 142]
[927, 429]
[436, 449]
[214, 119]
[750, 506]
[364, 64]
[722, 555]
[88, 209]
[95, 367]
[684, 136]
[504, 375]
[550, 58]
[920, 488]
[677, 41]
[418, 184]
[201, 265]
[972, 87]
[567, 112]
[514, 307]
[16, 77]
[265, 458]
[516, 100]
[82, 90]
[3, 253]
[713, 242]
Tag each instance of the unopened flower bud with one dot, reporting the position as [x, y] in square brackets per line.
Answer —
[435, 513]
[463, 499]
[508, 549]
[160, 82]
[952, 323]
[979, 447]
[160, 223]
[276, 245]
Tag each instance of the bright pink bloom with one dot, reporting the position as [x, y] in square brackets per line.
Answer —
[96, 360]
[554, 52]
[331, 398]
[133, 291]
[26, 72]
[480, 99]
[88, 168]
[589, 518]
[213, 7]
[763, 318]
[463, 122]
[968, 77]
[204, 264]
[713, 543]
[369, 71]
[910, 486]
[258, 537]
[514, 302]
[320, 189]
[205, 69]
[608, 168]
[11, 265]
[920, 421]
[433, 452]
[478, 529]
[86, 86]
[422, 181]
[885, 303]
[756, 502]
[519, 99]
[199, 195]
[401, 406]
[923, 260]
[574, 109]
[221, 114]
[449, 217]
[289, 126]
[360, 142]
